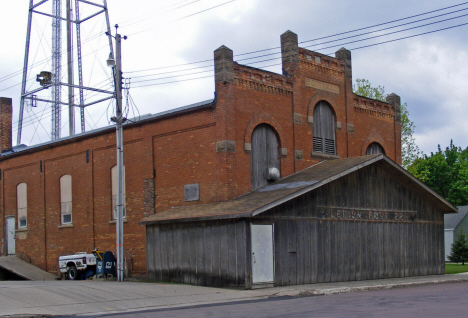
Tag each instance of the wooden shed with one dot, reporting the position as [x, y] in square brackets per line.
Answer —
[340, 220]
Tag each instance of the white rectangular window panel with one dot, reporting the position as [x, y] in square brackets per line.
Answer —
[22, 204]
[262, 254]
[66, 198]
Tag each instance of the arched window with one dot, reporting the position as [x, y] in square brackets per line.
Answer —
[324, 129]
[114, 192]
[22, 204]
[264, 154]
[66, 198]
[375, 148]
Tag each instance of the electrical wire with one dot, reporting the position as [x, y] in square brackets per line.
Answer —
[411, 36]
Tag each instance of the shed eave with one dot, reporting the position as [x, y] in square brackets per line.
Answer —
[451, 208]
[195, 219]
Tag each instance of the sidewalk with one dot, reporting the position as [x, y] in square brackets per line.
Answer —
[104, 297]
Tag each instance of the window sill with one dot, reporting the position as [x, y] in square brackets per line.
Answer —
[63, 226]
[322, 155]
[115, 221]
[22, 229]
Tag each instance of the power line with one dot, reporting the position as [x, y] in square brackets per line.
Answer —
[341, 44]
[325, 37]
[384, 42]
[188, 16]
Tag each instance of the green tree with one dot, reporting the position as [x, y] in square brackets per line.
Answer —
[446, 172]
[409, 149]
[459, 251]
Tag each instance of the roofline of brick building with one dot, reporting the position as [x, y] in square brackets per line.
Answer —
[23, 149]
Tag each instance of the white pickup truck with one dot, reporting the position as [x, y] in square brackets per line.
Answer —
[81, 261]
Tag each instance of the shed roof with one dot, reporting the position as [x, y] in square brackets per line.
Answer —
[269, 196]
[451, 221]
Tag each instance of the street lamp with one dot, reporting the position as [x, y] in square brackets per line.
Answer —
[119, 120]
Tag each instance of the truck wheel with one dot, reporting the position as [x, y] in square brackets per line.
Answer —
[72, 273]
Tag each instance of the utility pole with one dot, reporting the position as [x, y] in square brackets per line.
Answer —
[119, 120]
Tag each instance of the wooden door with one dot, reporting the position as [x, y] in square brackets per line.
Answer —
[264, 154]
[324, 129]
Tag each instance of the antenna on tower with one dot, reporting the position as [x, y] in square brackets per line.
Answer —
[53, 78]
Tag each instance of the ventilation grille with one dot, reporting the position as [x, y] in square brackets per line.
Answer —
[329, 146]
[317, 144]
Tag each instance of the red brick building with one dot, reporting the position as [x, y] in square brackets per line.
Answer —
[59, 198]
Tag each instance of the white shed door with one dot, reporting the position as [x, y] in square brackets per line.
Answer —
[11, 236]
[448, 243]
[262, 254]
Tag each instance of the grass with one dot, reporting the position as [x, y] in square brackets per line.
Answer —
[454, 268]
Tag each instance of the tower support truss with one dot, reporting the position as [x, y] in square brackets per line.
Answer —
[57, 81]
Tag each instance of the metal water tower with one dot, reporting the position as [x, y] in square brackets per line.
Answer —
[53, 78]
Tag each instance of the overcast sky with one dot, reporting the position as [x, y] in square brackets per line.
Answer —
[429, 72]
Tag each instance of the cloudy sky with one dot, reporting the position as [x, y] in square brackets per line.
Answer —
[168, 54]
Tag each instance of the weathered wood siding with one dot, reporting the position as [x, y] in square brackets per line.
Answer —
[212, 253]
[366, 225]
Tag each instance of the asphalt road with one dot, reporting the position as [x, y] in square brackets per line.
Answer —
[438, 300]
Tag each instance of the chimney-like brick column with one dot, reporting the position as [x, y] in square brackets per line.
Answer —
[224, 65]
[345, 55]
[394, 100]
[289, 51]
[5, 123]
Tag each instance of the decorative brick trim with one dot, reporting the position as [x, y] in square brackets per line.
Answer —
[374, 113]
[284, 152]
[312, 66]
[262, 87]
[350, 128]
[64, 226]
[297, 118]
[373, 137]
[338, 125]
[247, 146]
[298, 155]
[263, 119]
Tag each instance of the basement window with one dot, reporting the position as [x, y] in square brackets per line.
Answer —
[66, 198]
[114, 193]
[22, 204]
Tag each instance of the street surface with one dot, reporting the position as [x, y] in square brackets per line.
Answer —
[438, 300]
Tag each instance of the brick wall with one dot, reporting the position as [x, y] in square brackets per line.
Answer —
[209, 146]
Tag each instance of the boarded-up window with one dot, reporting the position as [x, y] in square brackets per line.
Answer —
[114, 192]
[66, 198]
[375, 148]
[324, 129]
[264, 154]
[22, 204]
